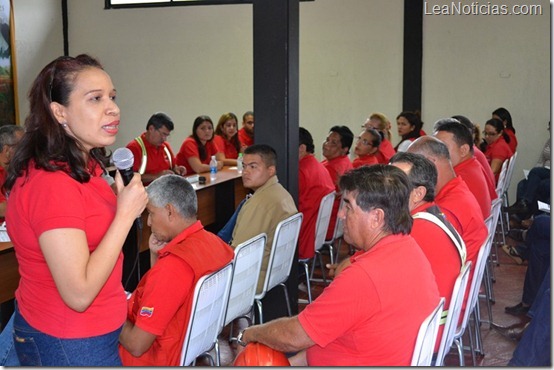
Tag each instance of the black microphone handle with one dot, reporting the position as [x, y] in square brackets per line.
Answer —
[127, 174]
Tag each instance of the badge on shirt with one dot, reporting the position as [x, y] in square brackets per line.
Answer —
[147, 311]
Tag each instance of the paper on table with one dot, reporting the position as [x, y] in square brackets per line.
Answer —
[525, 173]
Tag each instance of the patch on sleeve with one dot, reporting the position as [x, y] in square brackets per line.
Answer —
[147, 311]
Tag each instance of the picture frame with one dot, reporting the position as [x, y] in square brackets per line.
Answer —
[8, 72]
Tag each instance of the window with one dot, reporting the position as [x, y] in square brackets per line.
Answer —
[117, 4]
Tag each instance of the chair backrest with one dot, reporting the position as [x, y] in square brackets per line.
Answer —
[510, 171]
[208, 307]
[323, 218]
[478, 272]
[502, 178]
[244, 280]
[282, 252]
[339, 225]
[427, 336]
[492, 220]
[453, 316]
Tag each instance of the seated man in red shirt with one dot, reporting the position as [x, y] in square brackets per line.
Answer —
[446, 252]
[314, 183]
[246, 133]
[459, 142]
[370, 314]
[454, 197]
[335, 150]
[480, 156]
[181, 252]
[153, 154]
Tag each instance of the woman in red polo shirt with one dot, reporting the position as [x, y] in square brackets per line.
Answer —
[227, 139]
[497, 148]
[66, 224]
[197, 149]
[506, 118]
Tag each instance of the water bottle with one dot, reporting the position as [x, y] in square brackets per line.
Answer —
[239, 163]
[213, 168]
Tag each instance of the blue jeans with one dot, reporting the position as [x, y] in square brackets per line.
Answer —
[534, 347]
[8, 356]
[535, 187]
[538, 243]
[35, 348]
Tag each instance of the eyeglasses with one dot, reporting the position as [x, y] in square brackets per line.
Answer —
[164, 134]
[490, 133]
[364, 141]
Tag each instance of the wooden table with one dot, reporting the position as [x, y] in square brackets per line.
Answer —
[217, 201]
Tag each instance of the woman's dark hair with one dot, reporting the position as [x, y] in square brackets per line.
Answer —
[377, 137]
[219, 129]
[499, 127]
[45, 141]
[505, 116]
[201, 148]
[415, 121]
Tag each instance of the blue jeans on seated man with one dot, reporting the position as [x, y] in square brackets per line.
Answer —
[35, 348]
[534, 347]
[8, 356]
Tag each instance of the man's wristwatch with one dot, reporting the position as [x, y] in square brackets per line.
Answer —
[239, 338]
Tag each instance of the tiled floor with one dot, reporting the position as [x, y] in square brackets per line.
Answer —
[498, 349]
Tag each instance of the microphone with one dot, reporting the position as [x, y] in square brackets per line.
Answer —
[123, 160]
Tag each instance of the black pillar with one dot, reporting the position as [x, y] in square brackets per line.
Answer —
[413, 54]
[276, 107]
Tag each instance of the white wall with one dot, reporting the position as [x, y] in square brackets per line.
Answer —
[38, 40]
[196, 60]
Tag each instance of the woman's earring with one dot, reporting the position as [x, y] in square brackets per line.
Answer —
[64, 125]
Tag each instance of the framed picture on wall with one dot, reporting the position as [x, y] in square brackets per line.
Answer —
[8, 83]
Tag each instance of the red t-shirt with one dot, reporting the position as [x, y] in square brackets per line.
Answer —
[189, 148]
[314, 183]
[366, 160]
[462, 210]
[470, 171]
[371, 312]
[226, 146]
[498, 150]
[487, 171]
[336, 167]
[385, 152]
[156, 157]
[45, 201]
[162, 302]
[244, 138]
[513, 139]
[441, 253]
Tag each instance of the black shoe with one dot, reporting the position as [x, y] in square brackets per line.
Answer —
[519, 207]
[518, 309]
[516, 235]
[513, 332]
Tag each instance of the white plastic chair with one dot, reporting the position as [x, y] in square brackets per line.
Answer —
[244, 280]
[280, 259]
[453, 316]
[322, 223]
[427, 336]
[478, 272]
[208, 308]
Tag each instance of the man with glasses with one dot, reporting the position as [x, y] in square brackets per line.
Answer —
[153, 154]
[335, 149]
